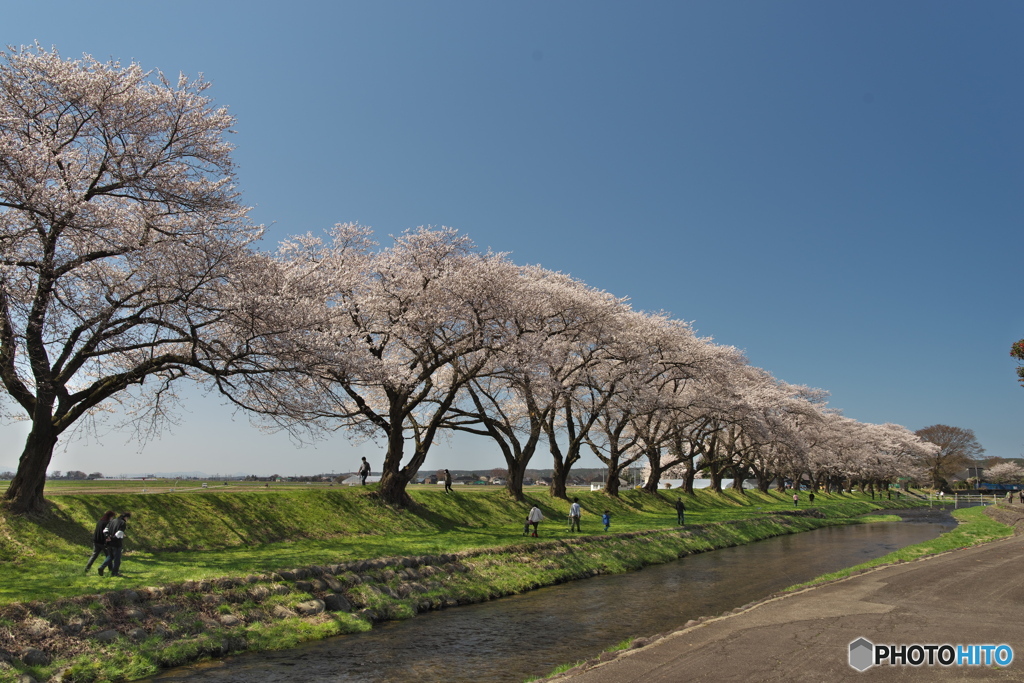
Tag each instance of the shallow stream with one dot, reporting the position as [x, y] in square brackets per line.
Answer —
[511, 639]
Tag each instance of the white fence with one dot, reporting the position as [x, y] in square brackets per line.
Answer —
[964, 500]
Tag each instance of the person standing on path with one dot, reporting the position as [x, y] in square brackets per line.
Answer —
[680, 512]
[364, 471]
[99, 538]
[115, 534]
[574, 515]
[448, 482]
[535, 518]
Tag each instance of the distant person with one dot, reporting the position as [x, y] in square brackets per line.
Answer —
[680, 512]
[448, 482]
[574, 515]
[606, 519]
[99, 538]
[796, 500]
[810, 498]
[535, 518]
[364, 472]
[115, 533]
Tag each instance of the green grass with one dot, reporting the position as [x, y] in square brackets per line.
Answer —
[240, 530]
[975, 528]
[225, 532]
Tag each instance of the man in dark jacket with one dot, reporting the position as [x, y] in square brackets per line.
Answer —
[99, 537]
[115, 533]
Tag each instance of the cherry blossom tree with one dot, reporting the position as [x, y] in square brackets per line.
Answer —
[511, 399]
[648, 358]
[681, 435]
[382, 341]
[120, 234]
[1005, 473]
[584, 392]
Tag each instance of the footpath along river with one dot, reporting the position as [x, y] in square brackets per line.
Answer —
[514, 638]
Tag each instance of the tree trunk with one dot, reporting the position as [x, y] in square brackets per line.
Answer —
[393, 478]
[691, 474]
[559, 475]
[739, 474]
[611, 487]
[514, 483]
[716, 476]
[392, 489]
[654, 478]
[26, 490]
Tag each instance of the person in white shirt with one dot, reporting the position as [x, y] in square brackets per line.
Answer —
[535, 518]
[574, 515]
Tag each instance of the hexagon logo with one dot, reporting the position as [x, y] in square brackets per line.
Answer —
[862, 654]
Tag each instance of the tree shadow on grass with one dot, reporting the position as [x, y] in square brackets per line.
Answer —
[55, 521]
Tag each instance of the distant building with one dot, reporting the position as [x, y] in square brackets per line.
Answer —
[355, 480]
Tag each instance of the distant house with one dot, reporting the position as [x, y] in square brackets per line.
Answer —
[544, 481]
[430, 479]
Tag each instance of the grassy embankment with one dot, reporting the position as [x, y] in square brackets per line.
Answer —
[232, 531]
[462, 548]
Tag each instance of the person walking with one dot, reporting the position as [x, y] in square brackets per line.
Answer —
[606, 518]
[810, 498]
[364, 471]
[574, 515]
[535, 518]
[99, 538]
[115, 533]
[680, 512]
[448, 482]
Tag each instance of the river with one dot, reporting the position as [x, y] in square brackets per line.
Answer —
[509, 640]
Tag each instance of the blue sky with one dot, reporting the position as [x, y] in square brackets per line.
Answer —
[835, 188]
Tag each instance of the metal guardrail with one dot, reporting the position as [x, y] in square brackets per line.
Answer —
[963, 500]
